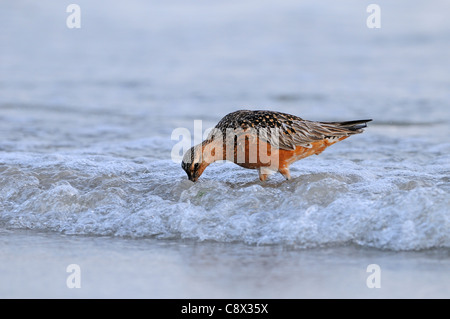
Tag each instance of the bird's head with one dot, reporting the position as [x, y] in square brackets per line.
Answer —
[193, 163]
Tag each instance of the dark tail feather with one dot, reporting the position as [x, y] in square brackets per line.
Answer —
[354, 125]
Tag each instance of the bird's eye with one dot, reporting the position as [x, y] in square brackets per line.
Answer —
[196, 165]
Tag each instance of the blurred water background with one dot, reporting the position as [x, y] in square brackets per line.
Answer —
[87, 116]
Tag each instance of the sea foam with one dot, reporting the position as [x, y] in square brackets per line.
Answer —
[396, 206]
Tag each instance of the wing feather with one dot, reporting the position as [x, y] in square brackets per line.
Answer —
[286, 131]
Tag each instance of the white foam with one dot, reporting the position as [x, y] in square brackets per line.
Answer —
[399, 208]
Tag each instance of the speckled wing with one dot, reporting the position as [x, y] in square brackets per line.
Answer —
[298, 132]
[286, 131]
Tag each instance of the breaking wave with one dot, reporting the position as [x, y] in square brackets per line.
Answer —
[371, 203]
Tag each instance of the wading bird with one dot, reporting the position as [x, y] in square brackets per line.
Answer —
[265, 140]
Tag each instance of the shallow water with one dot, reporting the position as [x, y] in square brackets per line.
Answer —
[87, 117]
[113, 267]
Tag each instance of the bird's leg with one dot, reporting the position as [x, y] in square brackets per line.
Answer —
[263, 177]
[285, 172]
[264, 173]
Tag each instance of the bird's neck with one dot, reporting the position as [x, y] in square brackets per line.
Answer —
[212, 150]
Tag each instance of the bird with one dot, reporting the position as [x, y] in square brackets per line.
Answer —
[268, 141]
